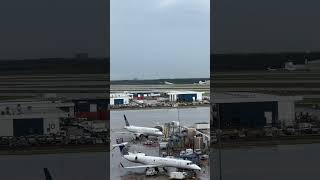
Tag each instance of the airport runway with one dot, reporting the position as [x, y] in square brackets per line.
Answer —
[276, 82]
[161, 87]
[60, 84]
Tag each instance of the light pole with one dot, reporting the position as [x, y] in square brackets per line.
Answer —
[179, 120]
[219, 141]
[179, 126]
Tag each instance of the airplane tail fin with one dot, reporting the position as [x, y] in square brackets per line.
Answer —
[47, 174]
[125, 119]
[122, 147]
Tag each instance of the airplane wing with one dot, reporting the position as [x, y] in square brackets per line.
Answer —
[127, 132]
[142, 166]
[117, 132]
[137, 134]
[121, 144]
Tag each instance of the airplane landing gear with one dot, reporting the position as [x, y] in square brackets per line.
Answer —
[152, 171]
[165, 170]
[140, 137]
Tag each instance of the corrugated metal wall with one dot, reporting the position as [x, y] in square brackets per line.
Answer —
[6, 126]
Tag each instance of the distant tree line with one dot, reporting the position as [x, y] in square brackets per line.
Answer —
[55, 66]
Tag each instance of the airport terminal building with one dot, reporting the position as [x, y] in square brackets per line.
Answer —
[253, 110]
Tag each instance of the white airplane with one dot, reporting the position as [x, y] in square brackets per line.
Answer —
[141, 131]
[271, 69]
[154, 161]
[168, 83]
[204, 82]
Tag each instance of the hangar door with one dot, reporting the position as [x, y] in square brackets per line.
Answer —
[248, 114]
[118, 101]
[25, 127]
[186, 97]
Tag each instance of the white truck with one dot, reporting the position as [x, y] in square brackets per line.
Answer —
[177, 175]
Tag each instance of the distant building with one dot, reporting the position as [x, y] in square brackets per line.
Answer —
[253, 110]
[185, 96]
[120, 98]
[91, 109]
[295, 67]
[313, 65]
[202, 126]
[33, 118]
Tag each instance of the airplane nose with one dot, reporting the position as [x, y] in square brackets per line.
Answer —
[196, 167]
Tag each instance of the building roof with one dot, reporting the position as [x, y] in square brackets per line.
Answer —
[184, 92]
[38, 104]
[33, 109]
[234, 97]
[120, 95]
[35, 113]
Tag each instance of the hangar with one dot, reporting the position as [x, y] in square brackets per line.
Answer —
[33, 118]
[185, 96]
[253, 110]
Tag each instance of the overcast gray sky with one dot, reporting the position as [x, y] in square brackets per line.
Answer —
[153, 39]
[265, 25]
[53, 28]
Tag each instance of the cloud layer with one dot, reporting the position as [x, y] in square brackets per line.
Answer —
[159, 39]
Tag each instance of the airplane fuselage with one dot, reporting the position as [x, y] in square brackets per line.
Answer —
[144, 131]
[161, 161]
